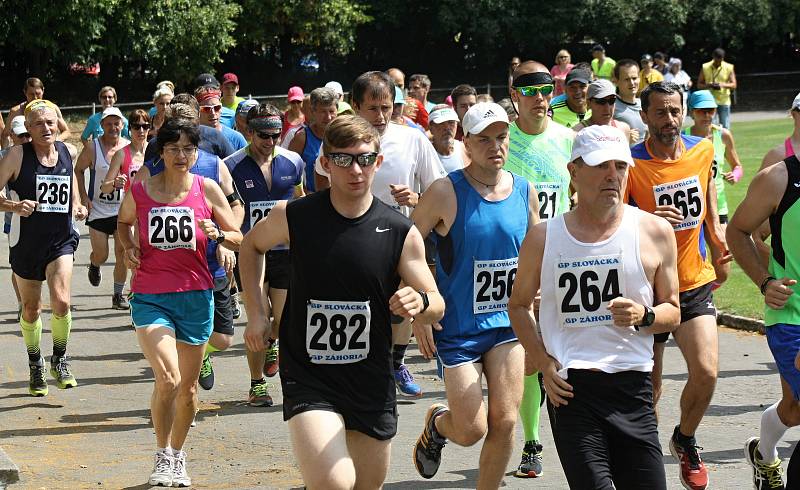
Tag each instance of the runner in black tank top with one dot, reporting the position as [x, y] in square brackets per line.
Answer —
[43, 240]
[349, 252]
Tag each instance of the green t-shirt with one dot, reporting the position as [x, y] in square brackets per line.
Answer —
[564, 116]
[542, 160]
[606, 71]
[236, 101]
[784, 260]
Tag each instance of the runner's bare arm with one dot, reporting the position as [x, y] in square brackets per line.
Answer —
[298, 143]
[9, 170]
[773, 156]
[731, 157]
[142, 174]
[85, 160]
[108, 185]
[63, 128]
[223, 217]
[126, 217]
[533, 207]
[267, 234]
[415, 274]
[228, 188]
[436, 209]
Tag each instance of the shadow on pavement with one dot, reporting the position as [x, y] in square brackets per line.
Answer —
[30, 405]
[468, 481]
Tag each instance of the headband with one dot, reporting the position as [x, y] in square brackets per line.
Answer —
[262, 123]
[529, 79]
[38, 104]
[208, 94]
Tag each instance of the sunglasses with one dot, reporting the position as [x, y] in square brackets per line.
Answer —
[533, 91]
[605, 101]
[346, 159]
[270, 136]
[24, 136]
[144, 126]
[210, 108]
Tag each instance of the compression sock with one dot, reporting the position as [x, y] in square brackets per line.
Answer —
[398, 354]
[118, 287]
[772, 429]
[32, 334]
[60, 325]
[209, 349]
[254, 382]
[530, 408]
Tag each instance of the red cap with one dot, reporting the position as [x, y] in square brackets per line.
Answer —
[295, 93]
[230, 78]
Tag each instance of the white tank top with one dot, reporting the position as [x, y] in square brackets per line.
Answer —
[455, 160]
[103, 205]
[577, 282]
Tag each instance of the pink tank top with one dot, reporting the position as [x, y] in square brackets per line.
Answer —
[129, 168]
[173, 248]
[789, 147]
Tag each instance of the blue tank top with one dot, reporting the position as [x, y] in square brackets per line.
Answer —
[286, 170]
[477, 260]
[309, 155]
[206, 166]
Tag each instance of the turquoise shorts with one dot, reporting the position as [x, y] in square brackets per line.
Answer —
[189, 313]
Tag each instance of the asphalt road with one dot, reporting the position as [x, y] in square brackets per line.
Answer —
[98, 435]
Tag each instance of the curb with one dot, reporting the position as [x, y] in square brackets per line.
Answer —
[740, 322]
[9, 473]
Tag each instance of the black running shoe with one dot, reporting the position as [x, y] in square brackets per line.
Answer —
[428, 449]
[531, 464]
[766, 476]
[94, 275]
[206, 379]
[38, 383]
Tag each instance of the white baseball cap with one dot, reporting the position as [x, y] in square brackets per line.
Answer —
[336, 87]
[481, 115]
[796, 103]
[443, 114]
[597, 144]
[111, 111]
[18, 125]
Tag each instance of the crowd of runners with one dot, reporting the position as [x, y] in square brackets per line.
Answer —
[542, 248]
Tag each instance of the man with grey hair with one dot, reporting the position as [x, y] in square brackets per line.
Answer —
[308, 139]
[419, 85]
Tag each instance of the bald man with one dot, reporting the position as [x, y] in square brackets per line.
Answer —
[539, 150]
[398, 77]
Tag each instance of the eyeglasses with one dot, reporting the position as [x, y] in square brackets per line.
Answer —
[175, 151]
[533, 91]
[605, 101]
[209, 108]
[271, 136]
[346, 159]
[143, 126]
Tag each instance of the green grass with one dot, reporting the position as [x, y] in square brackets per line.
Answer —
[753, 139]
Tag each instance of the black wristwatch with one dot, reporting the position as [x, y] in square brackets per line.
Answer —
[649, 318]
[220, 237]
[425, 301]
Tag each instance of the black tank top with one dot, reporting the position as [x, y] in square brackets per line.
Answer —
[51, 188]
[336, 333]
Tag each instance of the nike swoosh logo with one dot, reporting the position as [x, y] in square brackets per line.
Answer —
[378, 229]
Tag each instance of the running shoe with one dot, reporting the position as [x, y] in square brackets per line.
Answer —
[428, 449]
[120, 302]
[237, 310]
[766, 476]
[531, 464]
[259, 395]
[162, 470]
[271, 361]
[405, 383]
[179, 476]
[206, 379]
[38, 383]
[693, 473]
[59, 369]
[94, 275]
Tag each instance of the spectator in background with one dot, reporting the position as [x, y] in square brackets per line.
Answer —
[230, 87]
[162, 98]
[419, 85]
[560, 69]
[241, 117]
[208, 96]
[512, 65]
[660, 63]
[293, 117]
[341, 106]
[463, 97]
[602, 65]
[33, 90]
[680, 78]
[93, 129]
[509, 107]
[719, 77]
[648, 74]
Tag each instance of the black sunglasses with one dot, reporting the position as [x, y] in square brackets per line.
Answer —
[140, 126]
[272, 136]
[605, 101]
[346, 159]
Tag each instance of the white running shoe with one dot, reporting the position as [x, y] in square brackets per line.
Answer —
[162, 470]
[179, 476]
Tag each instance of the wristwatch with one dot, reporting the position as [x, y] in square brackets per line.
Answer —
[649, 318]
[425, 301]
[220, 237]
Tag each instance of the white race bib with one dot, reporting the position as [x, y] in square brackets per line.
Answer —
[493, 280]
[171, 227]
[687, 196]
[549, 195]
[53, 193]
[584, 286]
[259, 211]
[337, 332]
[114, 198]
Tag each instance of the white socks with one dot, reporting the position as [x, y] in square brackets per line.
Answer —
[772, 429]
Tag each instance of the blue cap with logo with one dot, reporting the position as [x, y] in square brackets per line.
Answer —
[701, 99]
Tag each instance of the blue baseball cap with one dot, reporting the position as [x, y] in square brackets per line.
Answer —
[701, 99]
[398, 96]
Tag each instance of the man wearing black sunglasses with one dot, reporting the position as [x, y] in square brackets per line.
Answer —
[602, 101]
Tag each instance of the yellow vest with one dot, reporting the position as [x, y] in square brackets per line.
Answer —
[719, 74]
